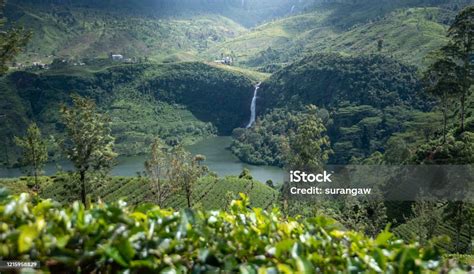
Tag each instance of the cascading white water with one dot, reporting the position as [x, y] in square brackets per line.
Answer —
[253, 106]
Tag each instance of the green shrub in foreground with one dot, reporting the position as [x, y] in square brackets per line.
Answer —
[113, 238]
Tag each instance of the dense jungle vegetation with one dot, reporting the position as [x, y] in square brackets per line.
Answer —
[364, 101]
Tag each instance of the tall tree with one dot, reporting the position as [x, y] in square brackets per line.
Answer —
[461, 33]
[35, 153]
[461, 51]
[427, 219]
[442, 81]
[185, 170]
[88, 143]
[156, 169]
[12, 41]
[460, 213]
[452, 74]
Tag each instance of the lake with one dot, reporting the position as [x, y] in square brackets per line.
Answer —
[218, 158]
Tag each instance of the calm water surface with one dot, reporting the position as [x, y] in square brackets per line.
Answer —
[218, 158]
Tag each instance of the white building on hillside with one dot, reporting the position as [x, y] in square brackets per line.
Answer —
[117, 57]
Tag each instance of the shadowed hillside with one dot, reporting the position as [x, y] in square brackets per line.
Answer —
[183, 101]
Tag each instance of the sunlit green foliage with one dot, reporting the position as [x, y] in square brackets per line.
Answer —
[112, 237]
[371, 107]
[408, 34]
[75, 32]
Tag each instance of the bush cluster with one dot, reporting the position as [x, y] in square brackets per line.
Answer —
[112, 237]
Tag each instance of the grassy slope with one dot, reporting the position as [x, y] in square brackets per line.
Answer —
[79, 33]
[209, 193]
[409, 35]
[251, 74]
[280, 34]
[136, 118]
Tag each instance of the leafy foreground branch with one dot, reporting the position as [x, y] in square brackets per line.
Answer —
[113, 238]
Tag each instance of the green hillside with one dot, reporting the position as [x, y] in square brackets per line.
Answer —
[80, 33]
[363, 101]
[210, 193]
[408, 35]
[333, 80]
[167, 31]
[246, 12]
[273, 42]
[158, 30]
[179, 101]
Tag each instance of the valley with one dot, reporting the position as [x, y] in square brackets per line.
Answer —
[159, 109]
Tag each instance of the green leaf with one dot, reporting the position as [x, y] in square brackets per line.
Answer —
[283, 246]
[27, 235]
[247, 269]
[114, 253]
[142, 263]
[3, 193]
[126, 249]
[304, 266]
[380, 258]
[383, 237]
[296, 250]
[43, 206]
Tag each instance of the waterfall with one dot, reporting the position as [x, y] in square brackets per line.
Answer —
[253, 106]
